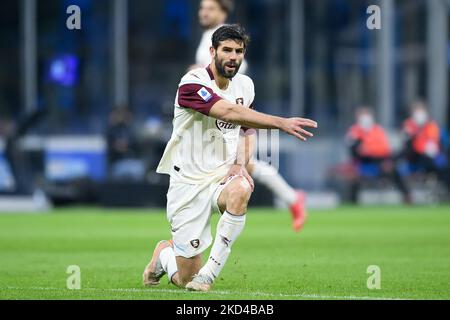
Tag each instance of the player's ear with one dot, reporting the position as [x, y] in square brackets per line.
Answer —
[212, 52]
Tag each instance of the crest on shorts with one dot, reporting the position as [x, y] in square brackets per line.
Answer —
[240, 101]
[195, 243]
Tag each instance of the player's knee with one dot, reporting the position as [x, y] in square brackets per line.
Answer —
[241, 190]
[239, 194]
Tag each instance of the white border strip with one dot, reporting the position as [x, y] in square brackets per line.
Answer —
[251, 294]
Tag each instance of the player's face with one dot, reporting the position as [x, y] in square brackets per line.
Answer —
[210, 14]
[228, 58]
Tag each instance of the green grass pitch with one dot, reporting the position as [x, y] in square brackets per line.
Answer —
[327, 260]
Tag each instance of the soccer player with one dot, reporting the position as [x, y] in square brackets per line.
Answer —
[212, 15]
[206, 159]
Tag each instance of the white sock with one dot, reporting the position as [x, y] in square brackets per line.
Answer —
[168, 261]
[269, 176]
[228, 230]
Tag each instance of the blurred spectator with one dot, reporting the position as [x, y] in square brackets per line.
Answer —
[7, 180]
[423, 149]
[15, 159]
[123, 148]
[212, 14]
[371, 153]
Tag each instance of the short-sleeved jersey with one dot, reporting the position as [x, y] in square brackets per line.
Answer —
[203, 57]
[202, 149]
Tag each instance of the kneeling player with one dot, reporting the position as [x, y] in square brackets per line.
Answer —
[206, 159]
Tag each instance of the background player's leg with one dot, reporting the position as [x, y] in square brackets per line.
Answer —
[234, 198]
[267, 175]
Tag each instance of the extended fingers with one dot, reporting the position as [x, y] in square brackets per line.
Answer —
[304, 132]
[298, 135]
[307, 123]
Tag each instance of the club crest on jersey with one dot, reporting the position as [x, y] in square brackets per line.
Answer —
[204, 94]
[195, 243]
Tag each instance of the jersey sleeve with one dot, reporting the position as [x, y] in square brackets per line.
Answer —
[195, 94]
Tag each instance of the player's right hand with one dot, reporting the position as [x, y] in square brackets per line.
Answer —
[294, 127]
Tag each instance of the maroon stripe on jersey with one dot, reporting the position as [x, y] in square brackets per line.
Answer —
[190, 96]
[211, 74]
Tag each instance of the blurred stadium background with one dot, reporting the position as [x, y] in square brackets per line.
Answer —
[59, 87]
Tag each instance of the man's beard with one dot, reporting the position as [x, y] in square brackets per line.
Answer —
[207, 27]
[227, 74]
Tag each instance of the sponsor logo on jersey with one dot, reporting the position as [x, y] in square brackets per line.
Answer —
[204, 94]
[224, 126]
[195, 243]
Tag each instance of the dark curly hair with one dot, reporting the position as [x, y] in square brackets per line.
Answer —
[230, 32]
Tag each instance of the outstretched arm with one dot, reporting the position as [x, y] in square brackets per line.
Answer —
[249, 118]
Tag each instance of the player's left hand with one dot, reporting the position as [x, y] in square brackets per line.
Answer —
[239, 170]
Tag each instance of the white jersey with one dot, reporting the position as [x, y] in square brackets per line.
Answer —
[203, 57]
[202, 149]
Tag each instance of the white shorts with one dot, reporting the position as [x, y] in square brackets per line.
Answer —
[189, 209]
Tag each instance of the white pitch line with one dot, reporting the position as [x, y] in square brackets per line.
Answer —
[254, 294]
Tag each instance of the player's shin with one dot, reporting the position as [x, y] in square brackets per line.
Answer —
[228, 230]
